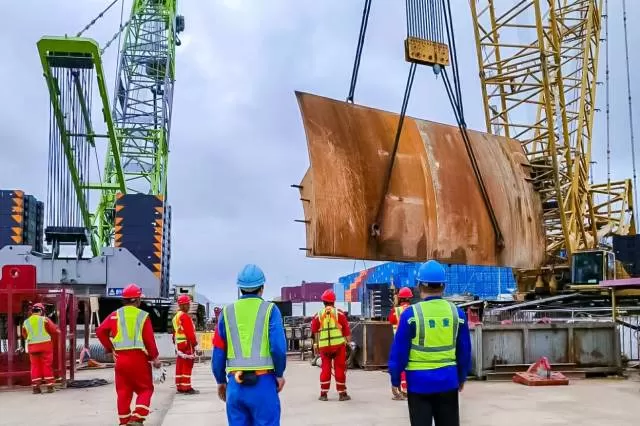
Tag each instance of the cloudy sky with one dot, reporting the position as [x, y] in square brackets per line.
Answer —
[237, 140]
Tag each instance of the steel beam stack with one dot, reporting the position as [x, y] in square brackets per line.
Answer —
[21, 219]
[142, 226]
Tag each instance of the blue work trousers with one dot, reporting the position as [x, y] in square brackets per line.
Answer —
[257, 405]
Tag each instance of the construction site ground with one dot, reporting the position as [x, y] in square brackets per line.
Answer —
[585, 402]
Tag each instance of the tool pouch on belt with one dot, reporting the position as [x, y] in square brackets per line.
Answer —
[246, 378]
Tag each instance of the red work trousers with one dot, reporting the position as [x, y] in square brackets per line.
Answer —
[133, 375]
[184, 368]
[41, 368]
[335, 356]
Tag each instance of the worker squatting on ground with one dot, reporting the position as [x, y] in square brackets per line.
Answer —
[404, 301]
[433, 345]
[250, 355]
[38, 330]
[331, 328]
[128, 334]
[184, 337]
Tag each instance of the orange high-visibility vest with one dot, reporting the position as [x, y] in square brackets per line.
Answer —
[399, 310]
[179, 334]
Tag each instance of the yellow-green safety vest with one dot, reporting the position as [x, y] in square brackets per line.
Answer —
[246, 323]
[130, 324]
[399, 310]
[36, 330]
[330, 331]
[434, 346]
[177, 328]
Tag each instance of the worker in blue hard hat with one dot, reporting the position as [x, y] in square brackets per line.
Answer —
[433, 345]
[250, 354]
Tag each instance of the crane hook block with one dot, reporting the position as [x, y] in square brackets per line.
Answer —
[425, 52]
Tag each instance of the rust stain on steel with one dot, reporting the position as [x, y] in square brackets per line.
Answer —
[433, 208]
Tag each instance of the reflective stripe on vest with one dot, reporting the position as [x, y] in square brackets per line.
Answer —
[434, 346]
[36, 331]
[399, 310]
[130, 324]
[177, 328]
[330, 330]
[247, 326]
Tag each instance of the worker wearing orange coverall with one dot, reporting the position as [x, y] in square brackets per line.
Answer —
[332, 328]
[184, 337]
[128, 333]
[404, 301]
[37, 330]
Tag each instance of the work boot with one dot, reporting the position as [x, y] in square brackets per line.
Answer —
[50, 389]
[323, 397]
[37, 390]
[344, 397]
[191, 392]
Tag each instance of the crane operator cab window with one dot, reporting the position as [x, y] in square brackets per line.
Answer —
[591, 267]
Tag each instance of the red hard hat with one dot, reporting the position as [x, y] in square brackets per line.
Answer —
[132, 291]
[184, 299]
[405, 293]
[38, 306]
[328, 296]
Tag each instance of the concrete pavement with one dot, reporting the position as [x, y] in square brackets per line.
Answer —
[586, 402]
[77, 407]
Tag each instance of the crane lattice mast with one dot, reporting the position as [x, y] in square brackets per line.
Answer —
[538, 64]
[137, 129]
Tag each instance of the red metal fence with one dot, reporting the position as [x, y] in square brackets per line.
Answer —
[18, 293]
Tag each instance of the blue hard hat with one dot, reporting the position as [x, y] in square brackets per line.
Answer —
[251, 276]
[431, 272]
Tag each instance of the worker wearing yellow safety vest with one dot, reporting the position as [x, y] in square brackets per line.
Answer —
[37, 331]
[250, 355]
[404, 301]
[331, 329]
[185, 340]
[128, 334]
[433, 345]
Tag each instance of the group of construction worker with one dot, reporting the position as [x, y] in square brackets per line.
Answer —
[128, 334]
[428, 363]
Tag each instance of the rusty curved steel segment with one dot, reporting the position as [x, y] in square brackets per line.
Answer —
[433, 209]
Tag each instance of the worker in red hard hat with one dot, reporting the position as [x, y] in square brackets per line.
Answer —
[38, 330]
[128, 334]
[331, 329]
[184, 337]
[404, 301]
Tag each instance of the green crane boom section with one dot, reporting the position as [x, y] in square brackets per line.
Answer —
[137, 124]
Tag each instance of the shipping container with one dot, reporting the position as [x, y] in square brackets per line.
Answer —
[285, 294]
[311, 292]
[338, 289]
[291, 293]
[485, 282]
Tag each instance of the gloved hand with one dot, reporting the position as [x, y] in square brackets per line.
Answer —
[159, 375]
[353, 345]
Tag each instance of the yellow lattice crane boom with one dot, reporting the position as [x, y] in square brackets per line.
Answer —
[538, 64]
